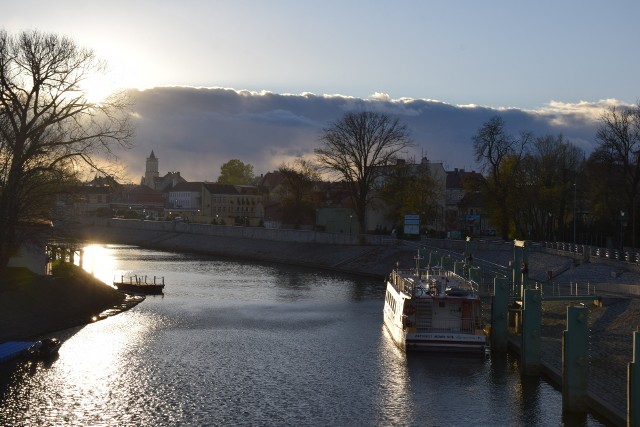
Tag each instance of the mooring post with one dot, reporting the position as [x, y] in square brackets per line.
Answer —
[575, 360]
[520, 267]
[500, 315]
[515, 270]
[468, 251]
[633, 384]
[531, 323]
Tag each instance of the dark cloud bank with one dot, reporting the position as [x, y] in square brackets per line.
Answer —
[196, 130]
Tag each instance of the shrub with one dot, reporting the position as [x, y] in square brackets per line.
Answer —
[63, 269]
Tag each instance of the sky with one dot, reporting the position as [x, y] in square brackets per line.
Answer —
[259, 80]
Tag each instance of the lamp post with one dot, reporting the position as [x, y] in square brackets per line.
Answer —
[350, 221]
[623, 223]
[574, 213]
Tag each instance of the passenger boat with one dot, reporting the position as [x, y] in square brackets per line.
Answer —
[433, 309]
[140, 284]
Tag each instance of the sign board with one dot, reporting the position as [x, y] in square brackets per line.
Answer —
[412, 224]
[473, 220]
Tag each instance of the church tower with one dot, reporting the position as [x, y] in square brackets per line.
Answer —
[152, 171]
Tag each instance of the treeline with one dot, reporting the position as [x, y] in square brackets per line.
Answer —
[546, 188]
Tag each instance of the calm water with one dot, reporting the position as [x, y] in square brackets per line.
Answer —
[234, 343]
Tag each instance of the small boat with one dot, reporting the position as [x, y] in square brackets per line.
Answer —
[50, 347]
[45, 348]
[433, 309]
[135, 284]
[14, 350]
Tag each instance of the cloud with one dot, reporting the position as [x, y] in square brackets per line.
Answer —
[196, 130]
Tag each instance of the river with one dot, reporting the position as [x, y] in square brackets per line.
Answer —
[237, 343]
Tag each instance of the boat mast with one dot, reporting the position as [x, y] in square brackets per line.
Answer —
[418, 258]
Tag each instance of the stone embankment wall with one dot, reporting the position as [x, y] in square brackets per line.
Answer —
[261, 233]
[308, 248]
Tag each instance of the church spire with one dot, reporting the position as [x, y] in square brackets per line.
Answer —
[151, 172]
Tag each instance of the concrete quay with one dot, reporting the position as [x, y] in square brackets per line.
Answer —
[611, 324]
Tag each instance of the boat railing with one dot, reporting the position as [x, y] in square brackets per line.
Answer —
[403, 281]
[428, 282]
[453, 280]
[134, 279]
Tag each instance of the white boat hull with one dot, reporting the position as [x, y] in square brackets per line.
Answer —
[423, 339]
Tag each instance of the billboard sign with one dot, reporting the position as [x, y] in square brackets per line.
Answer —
[412, 224]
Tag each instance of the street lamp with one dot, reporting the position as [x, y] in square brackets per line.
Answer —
[574, 213]
[350, 222]
[623, 224]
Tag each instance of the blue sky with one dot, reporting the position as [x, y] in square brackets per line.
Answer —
[539, 56]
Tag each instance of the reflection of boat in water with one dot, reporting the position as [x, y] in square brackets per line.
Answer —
[433, 309]
[139, 284]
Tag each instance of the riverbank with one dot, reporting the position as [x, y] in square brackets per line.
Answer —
[32, 305]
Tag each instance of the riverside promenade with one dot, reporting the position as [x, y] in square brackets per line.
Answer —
[611, 324]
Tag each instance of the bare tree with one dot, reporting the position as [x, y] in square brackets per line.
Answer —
[356, 148]
[499, 154]
[619, 147]
[48, 128]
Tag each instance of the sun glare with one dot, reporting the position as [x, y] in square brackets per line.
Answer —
[98, 261]
[97, 88]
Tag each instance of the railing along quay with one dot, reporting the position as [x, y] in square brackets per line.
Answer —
[630, 257]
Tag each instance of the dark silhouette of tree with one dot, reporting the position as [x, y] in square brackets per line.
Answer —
[235, 172]
[299, 180]
[356, 148]
[499, 154]
[49, 130]
[551, 168]
[410, 188]
[618, 137]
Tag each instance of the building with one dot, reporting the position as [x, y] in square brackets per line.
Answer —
[94, 198]
[184, 197]
[152, 178]
[151, 173]
[147, 202]
[232, 204]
